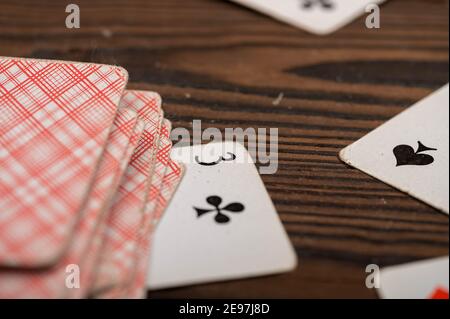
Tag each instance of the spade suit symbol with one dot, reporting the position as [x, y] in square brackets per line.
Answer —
[406, 155]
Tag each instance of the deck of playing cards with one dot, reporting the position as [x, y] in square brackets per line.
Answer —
[85, 170]
[86, 175]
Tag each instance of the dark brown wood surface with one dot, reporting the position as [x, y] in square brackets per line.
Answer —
[224, 64]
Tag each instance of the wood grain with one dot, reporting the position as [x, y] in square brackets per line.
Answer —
[223, 64]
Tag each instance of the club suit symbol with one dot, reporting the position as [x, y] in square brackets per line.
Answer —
[325, 4]
[406, 155]
[220, 217]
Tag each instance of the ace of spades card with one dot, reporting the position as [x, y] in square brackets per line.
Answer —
[221, 223]
[410, 151]
[315, 16]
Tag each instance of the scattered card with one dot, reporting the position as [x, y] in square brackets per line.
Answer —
[220, 224]
[316, 16]
[428, 279]
[410, 151]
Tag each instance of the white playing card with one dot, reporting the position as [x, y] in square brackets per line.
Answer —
[410, 152]
[426, 279]
[221, 223]
[316, 16]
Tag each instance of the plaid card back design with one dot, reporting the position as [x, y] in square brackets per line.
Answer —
[125, 216]
[161, 161]
[55, 118]
[50, 283]
[107, 185]
[172, 178]
[93, 254]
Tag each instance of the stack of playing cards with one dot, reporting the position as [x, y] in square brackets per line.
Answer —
[85, 170]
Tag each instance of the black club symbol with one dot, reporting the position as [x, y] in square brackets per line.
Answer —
[326, 4]
[220, 217]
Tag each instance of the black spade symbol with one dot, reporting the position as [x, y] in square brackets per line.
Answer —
[406, 155]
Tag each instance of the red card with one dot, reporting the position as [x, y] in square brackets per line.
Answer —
[55, 118]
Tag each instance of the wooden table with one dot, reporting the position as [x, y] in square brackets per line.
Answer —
[223, 64]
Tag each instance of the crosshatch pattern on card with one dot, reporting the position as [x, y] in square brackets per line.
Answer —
[54, 121]
[47, 283]
[316, 195]
[120, 238]
[94, 253]
[163, 189]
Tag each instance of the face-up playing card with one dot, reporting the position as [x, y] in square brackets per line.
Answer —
[426, 279]
[220, 224]
[411, 151]
[316, 16]
[55, 118]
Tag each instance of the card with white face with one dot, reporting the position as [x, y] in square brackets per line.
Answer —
[315, 16]
[410, 151]
[426, 279]
[221, 223]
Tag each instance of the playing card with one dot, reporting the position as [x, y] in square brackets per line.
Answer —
[93, 254]
[50, 283]
[165, 179]
[126, 214]
[129, 133]
[316, 16]
[173, 175]
[220, 224]
[426, 279]
[410, 152]
[161, 161]
[55, 118]
[161, 165]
